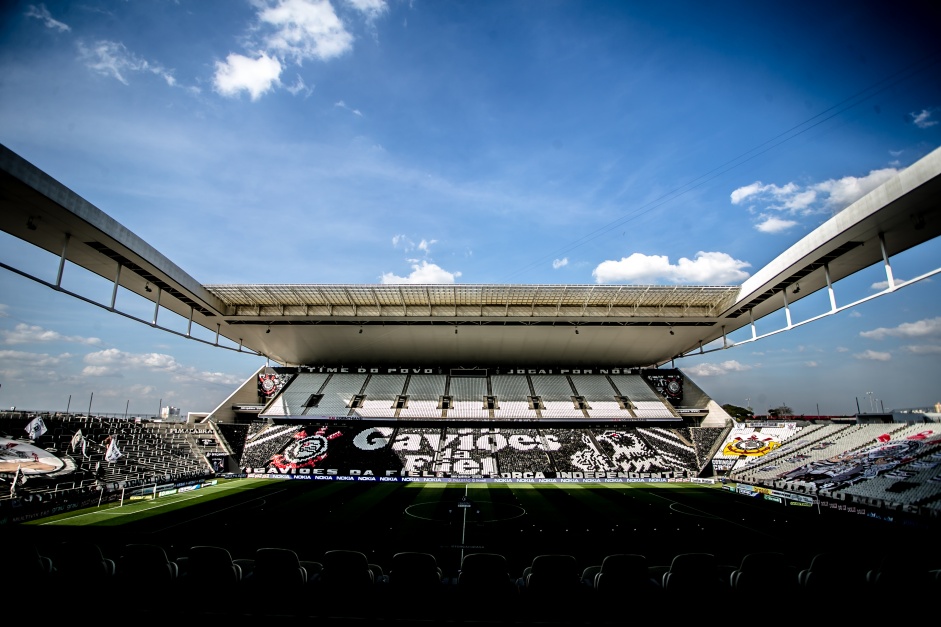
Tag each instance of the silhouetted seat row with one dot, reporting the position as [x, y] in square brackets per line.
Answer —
[552, 588]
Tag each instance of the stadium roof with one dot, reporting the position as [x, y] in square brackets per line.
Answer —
[470, 325]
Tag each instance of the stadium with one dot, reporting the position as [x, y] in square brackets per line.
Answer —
[471, 453]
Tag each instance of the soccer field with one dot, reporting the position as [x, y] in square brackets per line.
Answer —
[448, 520]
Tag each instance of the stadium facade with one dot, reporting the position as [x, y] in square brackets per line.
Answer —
[467, 384]
[474, 382]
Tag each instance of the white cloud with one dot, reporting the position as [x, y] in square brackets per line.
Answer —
[924, 349]
[842, 349]
[772, 224]
[792, 200]
[25, 333]
[855, 314]
[922, 119]
[299, 87]
[305, 29]
[291, 32]
[343, 105]
[3, 311]
[239, 73]
[740, 194]
[371, 9]
[759, 189]
[714, 370]
[811, 364]
[113, 362]
[42, 13]
[873, 356]
[407, 244]
[560, 263]
[139, 389]
[422, 272]
[112, 58]
[800, 201]
[33, 360]
[922, 328]
[847, 190]
[708, 268]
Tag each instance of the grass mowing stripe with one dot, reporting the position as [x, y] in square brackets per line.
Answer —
[135, 510]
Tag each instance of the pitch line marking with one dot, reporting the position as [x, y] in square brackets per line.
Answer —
[116, 511]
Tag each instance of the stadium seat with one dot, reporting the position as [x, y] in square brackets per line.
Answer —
[346, 575]
[552, 572]
[833, 573]
[552, 587]
[414, 572]
[412, 569]
[588, 575]
[485, 589]
[625, 576]
[485, 573]
[30, 565]
[145, 565]
[77, 567]
[82, 562]
[908, 572]
[378, 574]
[211, 566]
[277, 568]
[346, 567]
[692, 575]
[764, 571]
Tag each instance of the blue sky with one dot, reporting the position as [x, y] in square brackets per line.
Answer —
[370, 141]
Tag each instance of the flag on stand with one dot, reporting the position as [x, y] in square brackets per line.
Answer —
[79, 440]
[113, 453]
[18, 480]
[35, 428]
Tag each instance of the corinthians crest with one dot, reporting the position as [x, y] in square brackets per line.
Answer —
[270, 384]
[752, 446]
[306, 451]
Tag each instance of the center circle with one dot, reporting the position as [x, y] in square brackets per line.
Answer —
[480, 511]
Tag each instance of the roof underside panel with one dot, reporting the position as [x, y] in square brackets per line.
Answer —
[475, 300]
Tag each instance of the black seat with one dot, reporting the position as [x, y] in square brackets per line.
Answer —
[625, 575]
[694, 575]
[410, 568]
[764, 571]
[552, 587]
[346, 578]
[277, 568]
[212, 566]
[145, 565]
[82, 563]
[26, 563]
[834, 573]
[485, 589]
